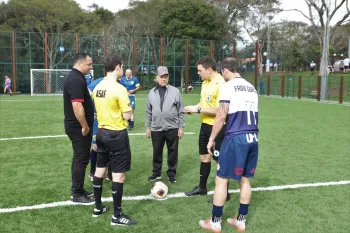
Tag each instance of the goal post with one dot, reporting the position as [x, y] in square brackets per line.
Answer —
[47, 81]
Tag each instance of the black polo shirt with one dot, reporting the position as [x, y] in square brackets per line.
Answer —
[75, 90]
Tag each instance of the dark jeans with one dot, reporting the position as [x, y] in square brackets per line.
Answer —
[172, 142]
[81, 156]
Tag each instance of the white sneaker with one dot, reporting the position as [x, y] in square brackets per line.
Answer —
[239, 225]
[210, 225]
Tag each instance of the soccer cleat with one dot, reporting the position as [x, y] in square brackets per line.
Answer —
[154, 177]
[83, 199]
[212, 199]
[210, 225]
[196, 191]
[172, 179]
[239, 225]
[123, 220]
[96, 213]
[86, 193]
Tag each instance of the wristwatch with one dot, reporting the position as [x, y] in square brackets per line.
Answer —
[199, 109]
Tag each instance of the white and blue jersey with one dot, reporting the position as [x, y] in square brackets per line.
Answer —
[239, 150]
[130, 84]
[243, 113]
[91, 88]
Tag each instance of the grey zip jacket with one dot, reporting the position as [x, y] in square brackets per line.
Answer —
[172, 116]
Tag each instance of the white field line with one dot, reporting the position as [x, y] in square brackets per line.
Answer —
[63, 136]
[176, 195]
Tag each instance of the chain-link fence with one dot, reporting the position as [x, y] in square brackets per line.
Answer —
[22, 51]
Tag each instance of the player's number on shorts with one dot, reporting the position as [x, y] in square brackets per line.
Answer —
[250, 106]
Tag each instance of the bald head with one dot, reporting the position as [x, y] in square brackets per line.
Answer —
[128, 73]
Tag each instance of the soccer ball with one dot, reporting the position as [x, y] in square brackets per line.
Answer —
[159, 190]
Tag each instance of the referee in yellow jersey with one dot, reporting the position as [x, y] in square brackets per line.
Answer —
[207, 108]
[113, 111]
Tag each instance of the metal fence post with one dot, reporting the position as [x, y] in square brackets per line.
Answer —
[282, 86]
[14, 63]
[341, 89]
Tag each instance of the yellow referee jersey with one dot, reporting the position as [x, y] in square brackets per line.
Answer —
[210, 96]
[111, 100]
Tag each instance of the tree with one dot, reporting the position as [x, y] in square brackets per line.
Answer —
[235, 13]
[52, 16]
[320, 14]
[256, 24]
[185, 19]
[285, 37]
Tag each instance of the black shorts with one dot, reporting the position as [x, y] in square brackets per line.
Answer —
[204, 136]
[346, 67]
[113, 148]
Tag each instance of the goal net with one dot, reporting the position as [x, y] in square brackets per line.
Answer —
[47, 81]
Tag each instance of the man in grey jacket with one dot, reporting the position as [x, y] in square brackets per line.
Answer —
[164, 123]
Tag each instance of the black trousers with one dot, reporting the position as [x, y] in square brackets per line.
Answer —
[81, 156]
[159, 138]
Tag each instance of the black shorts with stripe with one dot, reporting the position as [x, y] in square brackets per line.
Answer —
[204, 136]
[113, 148]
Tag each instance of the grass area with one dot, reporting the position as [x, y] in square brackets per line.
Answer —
[300, 142]
[308, 84]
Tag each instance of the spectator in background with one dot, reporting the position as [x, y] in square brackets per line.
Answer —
[7, 85]
[346, 65]
[312, 67]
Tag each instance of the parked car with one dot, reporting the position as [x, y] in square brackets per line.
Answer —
[338, 65]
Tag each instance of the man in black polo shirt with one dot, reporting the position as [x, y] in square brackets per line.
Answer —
[78, 120]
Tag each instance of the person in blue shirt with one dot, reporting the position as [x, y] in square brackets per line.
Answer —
[132, 85]
[89, 77]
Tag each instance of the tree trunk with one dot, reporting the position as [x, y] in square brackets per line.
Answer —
[324, 60]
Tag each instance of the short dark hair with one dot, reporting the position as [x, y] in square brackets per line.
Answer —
[207, 62]
[232, 64]
[111, 62]
[80, 57]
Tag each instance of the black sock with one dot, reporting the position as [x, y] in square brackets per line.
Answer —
[97, 184]
[93, 158]
[204, 172]
[117, 194]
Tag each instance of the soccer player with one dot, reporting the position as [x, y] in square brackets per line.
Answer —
[7, 85]
[207, 108]
[239, 150]
[78, 120]
[113, 110]
[132, 85]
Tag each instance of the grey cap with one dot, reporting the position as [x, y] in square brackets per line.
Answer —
[162, 70]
